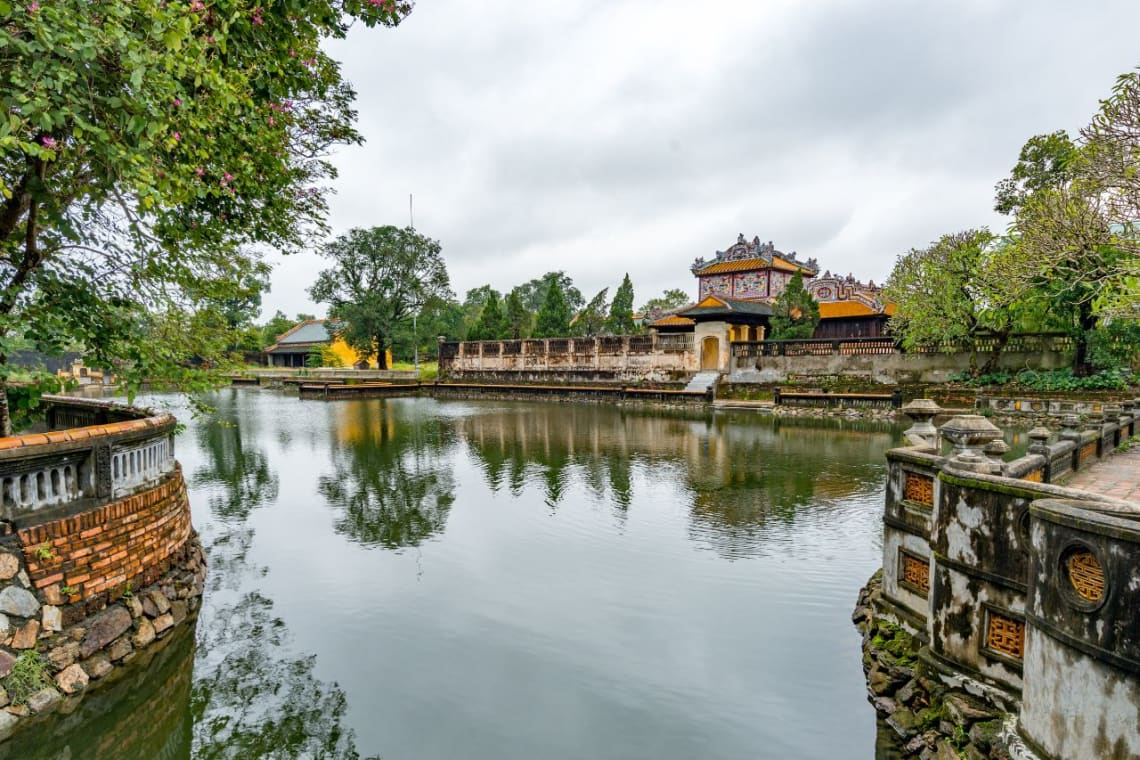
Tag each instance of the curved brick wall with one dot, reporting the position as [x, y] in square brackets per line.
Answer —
[98, 558]
[129, 541]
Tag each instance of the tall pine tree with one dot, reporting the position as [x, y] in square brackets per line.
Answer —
[795, 313]
[518, 319]
[621, 310]
[554, 316]
[491, 325]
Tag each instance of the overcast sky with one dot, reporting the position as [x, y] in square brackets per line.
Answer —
[637, 135]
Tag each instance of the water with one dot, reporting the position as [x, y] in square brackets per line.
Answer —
[414, 578]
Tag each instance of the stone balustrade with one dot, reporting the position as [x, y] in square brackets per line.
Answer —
[113, 451]
[994, 565]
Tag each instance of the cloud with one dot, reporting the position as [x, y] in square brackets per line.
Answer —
[639, 134]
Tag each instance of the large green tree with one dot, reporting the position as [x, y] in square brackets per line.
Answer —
[795, 313]
[491, 324]
[951, 291]
[517, 317]
[669, 300]
[554, 316]
[620, 321]
[533, 293]
[146, 148]
[379, 278]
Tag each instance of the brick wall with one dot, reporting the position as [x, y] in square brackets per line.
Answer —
[99, 552]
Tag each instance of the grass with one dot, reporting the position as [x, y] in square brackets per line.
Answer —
[29, 675]
[428, 370]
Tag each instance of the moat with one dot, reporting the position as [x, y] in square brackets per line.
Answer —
[414, 578]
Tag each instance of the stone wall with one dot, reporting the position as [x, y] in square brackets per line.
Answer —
[1007, 585]
[98, 559]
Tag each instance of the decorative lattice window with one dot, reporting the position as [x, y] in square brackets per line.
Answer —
[914, 571]
[1086, 575]
[1088, 451]
[1005, 635]
[1034, 477]
[919, 488]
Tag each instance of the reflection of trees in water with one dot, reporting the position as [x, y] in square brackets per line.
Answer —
[252, 697]
[236, 468]
[390, 481]
[742, 471]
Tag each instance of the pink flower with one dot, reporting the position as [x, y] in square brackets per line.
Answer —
[272, 121]
[200, 171]
[177, 102]
[34, 7]
[197, 5]
[177, 135]
[227, 177]
[47, 142]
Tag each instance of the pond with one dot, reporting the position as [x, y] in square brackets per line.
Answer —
[419, 578]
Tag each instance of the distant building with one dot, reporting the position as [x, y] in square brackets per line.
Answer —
[739, 285]
[305, 339]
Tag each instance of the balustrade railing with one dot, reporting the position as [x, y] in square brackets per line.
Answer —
[93, 451]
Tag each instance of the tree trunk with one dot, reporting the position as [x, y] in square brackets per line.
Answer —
[5, 414]
[381, 354]
[1086, 322]
[999, 346]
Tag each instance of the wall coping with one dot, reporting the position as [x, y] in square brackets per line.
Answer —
[32, 444]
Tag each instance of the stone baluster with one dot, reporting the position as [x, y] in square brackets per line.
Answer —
[922, 434]
[969, 433]
[1039, 437]
[995, 451]
[1071, 428]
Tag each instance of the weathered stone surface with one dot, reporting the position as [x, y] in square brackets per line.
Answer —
[973, 753]
[22, 576]
[52, 618]
[145, 633]
[8, 723]
[907, 692]
[119, 649]
[103, 629]
[134, 606]
[63, 655]
[7, 660]
[946, 751]
[163, 623]
[97, 666]
[885, 705]
[25, 638]
[880, 682]
[52, 594]
[19, 602]
[984, 733]
[903, 722]
[5, 626]
[178, 610]
[71, 679]
[44, 700]
[4, 700]
[150, 609]
[964, 710]
[20, 711]
[915, 745]
[161, 603]
[9, 566]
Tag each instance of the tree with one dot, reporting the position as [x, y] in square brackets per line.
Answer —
[667, 301]
[277, 325]
[533, 293]
[380, 277]
[591, 320]
[517, 317]
[1045, 161]
[554, 316]
[620, 321]
[491, 324]
[951, 291]
[795, 313]
[147, 148]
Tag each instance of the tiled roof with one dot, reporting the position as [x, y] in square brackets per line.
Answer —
[744, 265]
[716, 305]
[672, 320]
[312, 332]
[836, 309]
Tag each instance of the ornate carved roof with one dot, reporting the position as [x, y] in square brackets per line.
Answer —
[753, 255]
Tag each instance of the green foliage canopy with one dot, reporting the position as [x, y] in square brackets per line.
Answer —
[146, 146]
[620, 321]
[554, 316]
[795, 313]
[380, 277]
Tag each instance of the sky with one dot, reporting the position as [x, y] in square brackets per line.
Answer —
[637, 135]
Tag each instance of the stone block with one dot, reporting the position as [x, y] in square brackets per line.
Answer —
[178, 610]
[134, 606]
[19, 602]
[9, 566]
[52, 618]
[163, 623]
[119, 649]
[63, 655]
[71, 679]
[97, 666]
[144, 634]
[52, 595]
[25, 638]
[103, 629]
[7, 660]
[44, 700]
[8, 723]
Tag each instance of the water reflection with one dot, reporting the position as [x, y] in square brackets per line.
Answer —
[252, 696]
[737, 475]
[391, 482]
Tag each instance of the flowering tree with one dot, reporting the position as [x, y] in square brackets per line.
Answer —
[146, 147]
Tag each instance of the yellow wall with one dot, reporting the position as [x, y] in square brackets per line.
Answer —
[347, 357]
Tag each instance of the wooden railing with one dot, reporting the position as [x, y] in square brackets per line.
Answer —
[1020, 343]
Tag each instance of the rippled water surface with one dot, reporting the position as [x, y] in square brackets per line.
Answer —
[415, 578]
